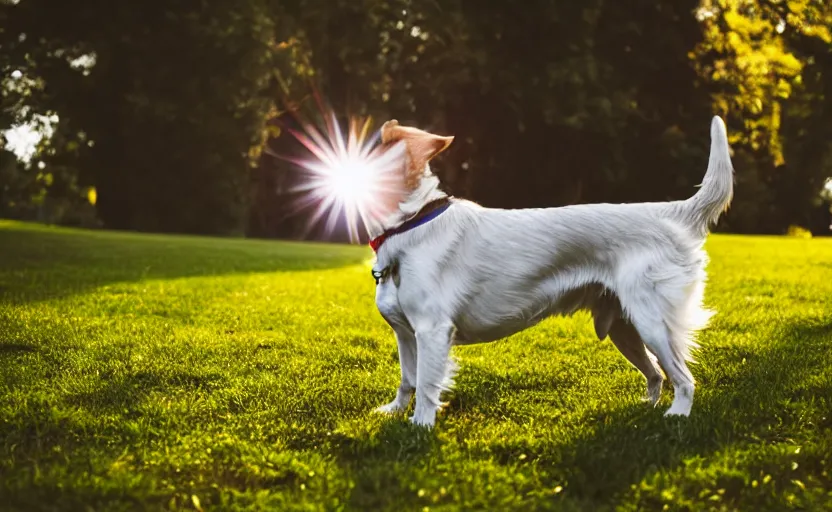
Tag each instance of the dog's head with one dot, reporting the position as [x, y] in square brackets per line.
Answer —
[420, 148]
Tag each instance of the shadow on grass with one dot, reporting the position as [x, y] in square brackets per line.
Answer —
[395, 439]
[748, 398]
[373, 453]
[123, 393]
[15, 348]
[771, 395]
[40, 263]
[760, 397]
[123, 396]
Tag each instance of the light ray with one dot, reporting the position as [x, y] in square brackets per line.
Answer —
[346, 177]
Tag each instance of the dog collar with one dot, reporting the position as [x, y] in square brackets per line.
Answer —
[428, 212]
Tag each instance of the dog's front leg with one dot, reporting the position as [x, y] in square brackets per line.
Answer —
[433, 371]
[407, 360]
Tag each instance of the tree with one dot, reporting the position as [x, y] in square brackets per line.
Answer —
[170, 113]
[164, 109]
[770, 66]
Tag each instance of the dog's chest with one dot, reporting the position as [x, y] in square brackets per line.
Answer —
[387, 302]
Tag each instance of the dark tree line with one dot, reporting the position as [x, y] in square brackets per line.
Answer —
[165, 109]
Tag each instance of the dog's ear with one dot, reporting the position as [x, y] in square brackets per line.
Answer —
[422, 146]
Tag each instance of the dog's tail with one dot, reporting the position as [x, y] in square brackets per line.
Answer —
[717, 189]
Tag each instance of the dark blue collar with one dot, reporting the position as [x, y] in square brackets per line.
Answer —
[428, 212]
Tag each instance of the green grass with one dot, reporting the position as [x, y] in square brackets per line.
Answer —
[154, 372]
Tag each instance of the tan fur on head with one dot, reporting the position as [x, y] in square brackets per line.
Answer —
[421, 148]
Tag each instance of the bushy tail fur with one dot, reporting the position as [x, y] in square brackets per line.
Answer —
[717, 189]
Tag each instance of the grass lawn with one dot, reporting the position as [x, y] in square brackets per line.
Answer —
[155, 372]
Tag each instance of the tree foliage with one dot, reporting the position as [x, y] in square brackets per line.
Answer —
[552, 102]
[168, 121]
[769, 64]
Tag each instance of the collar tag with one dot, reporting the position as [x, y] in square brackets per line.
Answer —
[378, 275]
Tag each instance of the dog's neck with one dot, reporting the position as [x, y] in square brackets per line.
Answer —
[427, 191]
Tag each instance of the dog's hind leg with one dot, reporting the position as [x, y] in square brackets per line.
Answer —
[656, 336]
[657, 309]
[407, 360]
[434, 371]
[629, 343]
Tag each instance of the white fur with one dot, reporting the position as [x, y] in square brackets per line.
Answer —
[476, 274]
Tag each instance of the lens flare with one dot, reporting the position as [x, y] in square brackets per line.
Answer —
[353, 179]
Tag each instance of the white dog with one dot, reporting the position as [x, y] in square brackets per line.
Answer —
[450, 272]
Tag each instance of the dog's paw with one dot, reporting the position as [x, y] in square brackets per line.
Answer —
[654, 391]
[422, 422]
[678, 411]
[424, 416]
[682, 401]
[391, 408]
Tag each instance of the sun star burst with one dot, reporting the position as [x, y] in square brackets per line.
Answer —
[352, 178]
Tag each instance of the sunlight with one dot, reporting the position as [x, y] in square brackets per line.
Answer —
[351, 179]
[23, 139]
